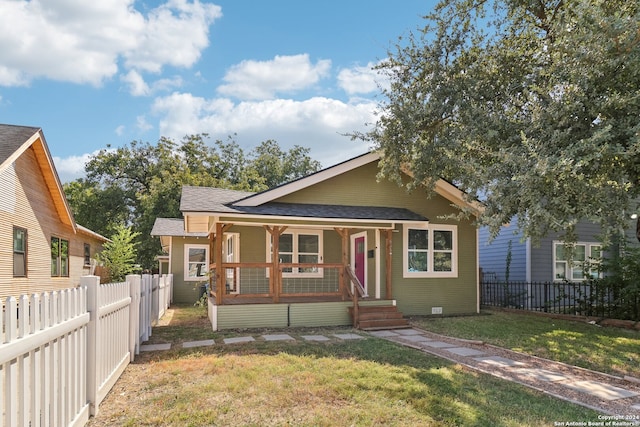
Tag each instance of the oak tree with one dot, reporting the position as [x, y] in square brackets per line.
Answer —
[531, 105]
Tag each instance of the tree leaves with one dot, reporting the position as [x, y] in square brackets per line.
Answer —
[133, 185]
[533, 107]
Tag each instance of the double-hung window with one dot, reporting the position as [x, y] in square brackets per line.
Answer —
[430, 250]
[577, 261]
[59, 257]
[19, 252]
[298, 247]
[196, 258]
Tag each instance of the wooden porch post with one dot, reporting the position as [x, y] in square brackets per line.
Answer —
[212, 246]
[389, 245]
[275, 282]
[344, 234]
[217, 243]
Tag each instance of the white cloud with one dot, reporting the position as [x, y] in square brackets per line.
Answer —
[138, 86]
[71, 168]
[317, 123]
[174, 33]
[83, 41]
[120, 130]
[263, 79]
[359, 80]
[142, 124]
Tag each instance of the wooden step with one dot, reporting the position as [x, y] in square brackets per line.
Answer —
[376, 308]
[380, 317]
[372, 325]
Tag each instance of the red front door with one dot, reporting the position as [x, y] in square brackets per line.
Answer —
[360, 260]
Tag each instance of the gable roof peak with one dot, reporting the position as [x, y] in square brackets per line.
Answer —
[14, 142]
[309, 180]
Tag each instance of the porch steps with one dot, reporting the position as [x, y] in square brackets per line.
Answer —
[373, 318]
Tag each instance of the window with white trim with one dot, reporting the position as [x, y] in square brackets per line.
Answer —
[59, 257]
[430, 250]
[298, 247]
[19, 252]
[577, 261]
[196, 258]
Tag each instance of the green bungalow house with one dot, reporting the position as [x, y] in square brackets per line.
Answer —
[351, 250]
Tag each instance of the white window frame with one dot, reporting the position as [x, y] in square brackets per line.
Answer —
[576, 265]
[295, 254]
[188, 278]
[430, 228]
[231, 253]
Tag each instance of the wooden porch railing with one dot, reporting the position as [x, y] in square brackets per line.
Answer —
[359, 292]
[234, 276]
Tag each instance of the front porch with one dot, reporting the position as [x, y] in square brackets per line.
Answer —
[252, 296]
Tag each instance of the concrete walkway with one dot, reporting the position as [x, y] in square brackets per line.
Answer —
[248, 339]
[617, 397]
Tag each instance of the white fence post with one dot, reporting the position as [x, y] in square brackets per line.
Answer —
[145, 308]
[92, 283]
[11, 368]
[134, 315]
[170, 277]
[161, 297]
[155, 299]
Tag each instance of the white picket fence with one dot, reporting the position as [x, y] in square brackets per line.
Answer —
[61, 352]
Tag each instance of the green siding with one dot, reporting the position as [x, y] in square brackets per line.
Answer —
[287, 315]
[253, 243]
[358, 187]
[252, 316]
[320, 314]
[332, 247]
[415, 296]
[184, 291]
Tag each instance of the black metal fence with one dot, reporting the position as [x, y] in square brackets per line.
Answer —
[576, 298]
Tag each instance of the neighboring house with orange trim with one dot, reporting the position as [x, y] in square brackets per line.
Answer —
[41, 246]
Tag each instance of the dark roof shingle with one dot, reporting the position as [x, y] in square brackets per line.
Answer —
[172, 227]
[218, 200]
[209, 199]
[12, 137]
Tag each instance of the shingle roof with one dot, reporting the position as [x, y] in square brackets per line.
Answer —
[209, 199]
[217, 200]
[332, 211]
[12, 137]
[172, 227]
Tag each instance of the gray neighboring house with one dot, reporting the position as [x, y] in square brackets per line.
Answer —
[545, 262]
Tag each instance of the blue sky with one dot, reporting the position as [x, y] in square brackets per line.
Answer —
[110, 72]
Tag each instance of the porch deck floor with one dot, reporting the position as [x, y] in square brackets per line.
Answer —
[237, 300]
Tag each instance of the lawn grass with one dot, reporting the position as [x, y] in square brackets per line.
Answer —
[610, 350]
[361, 382]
